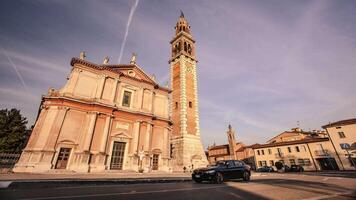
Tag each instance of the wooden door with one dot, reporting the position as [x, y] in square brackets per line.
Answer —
[63, 158]
[117, 156]
[155, 162]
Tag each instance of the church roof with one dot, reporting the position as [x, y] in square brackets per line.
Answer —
[119, 69]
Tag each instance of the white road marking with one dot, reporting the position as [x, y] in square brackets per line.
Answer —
[125, 193]
[328, 196]
[102, 186]
[236, 195]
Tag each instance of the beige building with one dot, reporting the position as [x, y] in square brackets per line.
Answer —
[342, 135]
[312, 150]
[106, 117]
[231, 151]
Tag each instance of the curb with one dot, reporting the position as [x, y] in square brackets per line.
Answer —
[32, 184]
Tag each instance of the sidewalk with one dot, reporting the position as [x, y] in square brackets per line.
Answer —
[31, 180]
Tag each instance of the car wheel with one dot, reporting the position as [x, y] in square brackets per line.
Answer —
[219, 178]
[246, 176]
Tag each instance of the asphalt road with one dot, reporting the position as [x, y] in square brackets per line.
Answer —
[262, 186]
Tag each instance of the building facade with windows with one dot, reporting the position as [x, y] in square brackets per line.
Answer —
[342, 135]
[106, 117]
[312, 150]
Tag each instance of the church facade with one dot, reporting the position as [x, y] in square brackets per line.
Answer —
[106, 117]
[112, 117]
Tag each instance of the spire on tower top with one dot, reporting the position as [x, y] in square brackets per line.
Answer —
[181, 14]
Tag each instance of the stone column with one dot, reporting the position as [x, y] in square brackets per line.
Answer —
[89, 134]
[153, 102]
[100, 87]
[56, 128]
[140, 98]
[104, 138]
[114, 90]
[147, 137]
[135, 137]
[165, 143]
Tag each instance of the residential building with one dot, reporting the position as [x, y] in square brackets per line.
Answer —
[342, 135]
[313, 150]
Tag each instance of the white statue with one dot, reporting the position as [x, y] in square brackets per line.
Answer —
[133, 58]
[82, 55]
[106, 60]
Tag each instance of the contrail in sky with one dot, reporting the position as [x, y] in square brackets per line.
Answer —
[15, 68]
[132, 11]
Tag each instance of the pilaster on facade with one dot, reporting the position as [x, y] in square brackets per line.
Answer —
[101, 84]
[183, 98]
[89, 134]
[114, 90]
[105, 137]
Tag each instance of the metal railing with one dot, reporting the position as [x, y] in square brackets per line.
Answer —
[8, 160]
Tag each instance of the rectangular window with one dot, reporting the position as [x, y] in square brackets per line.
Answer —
[260, 163]
[271, 162]
[279, 150]
[292, 161]
[289, 150]
[305, 149]
[301, 162]
[341, 134]
[258, 152]
[269, 151]
[190, 104]
[176, 105]
[297, 149]
[126, 100]
[264, 163]
[263, 152]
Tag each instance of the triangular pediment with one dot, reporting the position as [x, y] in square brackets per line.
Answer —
[136, 72]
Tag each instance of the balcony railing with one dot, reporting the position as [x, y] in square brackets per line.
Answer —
[321, 153]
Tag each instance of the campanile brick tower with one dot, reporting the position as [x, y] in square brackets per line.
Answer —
[187, 149]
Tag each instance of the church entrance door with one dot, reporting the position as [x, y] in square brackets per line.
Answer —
[117, 156]
[155, 162]
[63, 157]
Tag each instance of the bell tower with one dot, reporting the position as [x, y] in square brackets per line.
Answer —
[187, 149]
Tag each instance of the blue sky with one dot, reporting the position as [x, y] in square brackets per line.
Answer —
[263, 65]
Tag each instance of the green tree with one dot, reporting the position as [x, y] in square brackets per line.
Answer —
[13, 131]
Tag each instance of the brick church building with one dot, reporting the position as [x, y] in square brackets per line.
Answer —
[111, 117]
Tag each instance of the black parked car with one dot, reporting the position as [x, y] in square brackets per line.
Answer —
[223, 170]
[295, 168]
[265, 169]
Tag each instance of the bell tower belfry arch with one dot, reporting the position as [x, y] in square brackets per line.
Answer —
[187, 149]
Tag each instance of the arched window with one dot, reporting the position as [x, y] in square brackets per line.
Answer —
[189, 49]
[185, 46]
[180, 29]
[183, 28]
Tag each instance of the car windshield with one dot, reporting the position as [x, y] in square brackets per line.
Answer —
[220, 163]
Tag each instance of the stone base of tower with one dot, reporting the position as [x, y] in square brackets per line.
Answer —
[188, 154]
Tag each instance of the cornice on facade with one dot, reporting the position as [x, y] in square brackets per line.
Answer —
[117, 70]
